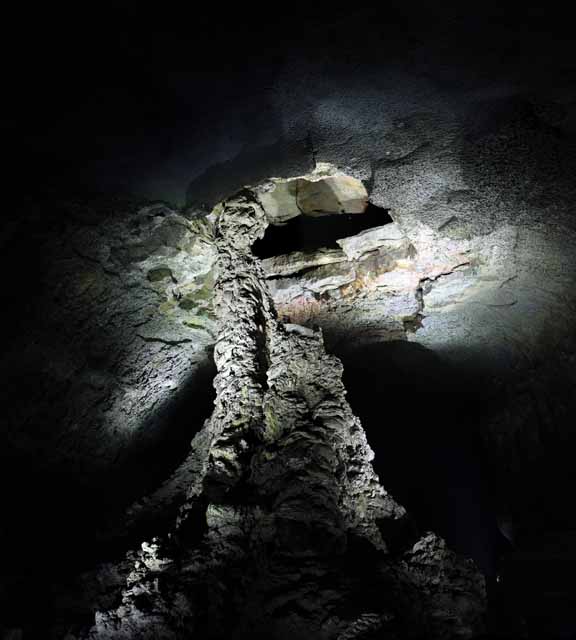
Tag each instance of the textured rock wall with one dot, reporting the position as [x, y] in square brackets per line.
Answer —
[109, 327]
[121, 308]
[286, 530]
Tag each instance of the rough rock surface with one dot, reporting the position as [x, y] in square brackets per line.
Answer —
[286, 531]
[112, 343]
[289, 264]
[459, 119]
[321, 192]
[120, 299]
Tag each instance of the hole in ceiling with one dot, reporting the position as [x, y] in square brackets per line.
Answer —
[306, 233]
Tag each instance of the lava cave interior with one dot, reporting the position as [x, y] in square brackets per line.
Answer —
[440, 275]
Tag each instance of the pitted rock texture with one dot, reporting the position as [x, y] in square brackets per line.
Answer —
[118, 299]
[110, 341]
[287, 531]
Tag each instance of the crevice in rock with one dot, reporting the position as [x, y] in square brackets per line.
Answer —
[311, 147]
[170, 343]
[305, 233]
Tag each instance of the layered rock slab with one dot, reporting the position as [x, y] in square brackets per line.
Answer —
[325, 191]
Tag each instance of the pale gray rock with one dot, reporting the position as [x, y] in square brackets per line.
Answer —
[448, 289]
[388, 237]
[289, 264]
[314, 282]
[325, 191]
[279, 200]
[331, 195]
[123, 322]
[452, 590]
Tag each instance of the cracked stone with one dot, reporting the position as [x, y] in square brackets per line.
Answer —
[388, 238]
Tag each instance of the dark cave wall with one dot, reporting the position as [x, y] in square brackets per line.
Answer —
[433, 463]
[103, 390]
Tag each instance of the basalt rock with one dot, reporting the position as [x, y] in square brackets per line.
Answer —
[286, 530]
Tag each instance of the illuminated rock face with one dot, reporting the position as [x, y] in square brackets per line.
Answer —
[397, 281]
[286, 531]
[324, 192]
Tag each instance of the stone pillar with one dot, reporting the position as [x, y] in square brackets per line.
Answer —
[287, 535]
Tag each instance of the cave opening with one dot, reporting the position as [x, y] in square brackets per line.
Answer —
[308, 233]
[422, 419]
